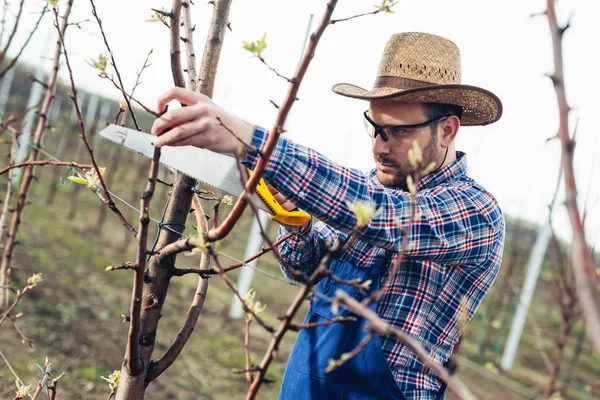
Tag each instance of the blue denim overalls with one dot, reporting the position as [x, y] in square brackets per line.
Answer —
[367, 375]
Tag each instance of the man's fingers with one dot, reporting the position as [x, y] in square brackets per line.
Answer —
[174, 136]
[180, 94]
[172, 118]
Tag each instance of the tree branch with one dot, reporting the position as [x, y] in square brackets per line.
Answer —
[45, 162]
[114, 64]
[582, 263]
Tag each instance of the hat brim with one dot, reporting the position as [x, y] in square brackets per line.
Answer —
[480, 106]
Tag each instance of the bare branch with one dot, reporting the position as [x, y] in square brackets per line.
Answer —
[114, 64]
[16, 58]
[582, 263]
[45, 162]
[107, 196]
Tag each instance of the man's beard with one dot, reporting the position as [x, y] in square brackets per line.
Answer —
[402, 168]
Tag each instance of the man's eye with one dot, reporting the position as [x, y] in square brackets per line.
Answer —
[397, 131]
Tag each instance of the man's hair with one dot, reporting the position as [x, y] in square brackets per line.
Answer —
[434, 110]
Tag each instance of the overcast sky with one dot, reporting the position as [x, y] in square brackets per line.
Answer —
[502, 49]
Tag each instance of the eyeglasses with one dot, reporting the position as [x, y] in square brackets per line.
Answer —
[395, 131]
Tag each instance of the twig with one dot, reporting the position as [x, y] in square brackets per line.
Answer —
[114, 64]
[240, 205]
[127, 265]
[233, 288]
[130, 97]
[107, 197]
[249, 376]
[14, 304]
[44, 380]
[296, 328]
[380, 326]
[244, 144]
[45, 162]
[334, 364]
[582, 263]
[53, 386]
[13, 32]
[292, 81]
[24, 339]
[335, 21]
[16, 58]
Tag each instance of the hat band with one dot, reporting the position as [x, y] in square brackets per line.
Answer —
[398, 82]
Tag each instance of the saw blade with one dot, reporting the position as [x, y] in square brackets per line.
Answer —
[216, 170]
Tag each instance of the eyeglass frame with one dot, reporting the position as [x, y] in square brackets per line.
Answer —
[380, 129]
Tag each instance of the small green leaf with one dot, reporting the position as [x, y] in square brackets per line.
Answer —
[256, 47]
[77, 179]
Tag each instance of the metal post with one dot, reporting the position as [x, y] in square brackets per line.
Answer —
[5, 90]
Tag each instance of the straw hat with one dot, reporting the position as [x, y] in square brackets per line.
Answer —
[423, 68]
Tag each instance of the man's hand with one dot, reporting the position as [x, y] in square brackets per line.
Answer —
[197, 125]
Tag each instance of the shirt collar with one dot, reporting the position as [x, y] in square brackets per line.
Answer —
[449, 173]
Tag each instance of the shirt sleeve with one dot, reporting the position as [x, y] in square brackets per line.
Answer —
[303, 251]
[456, 223]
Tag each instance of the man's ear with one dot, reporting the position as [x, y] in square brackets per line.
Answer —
[449, 130]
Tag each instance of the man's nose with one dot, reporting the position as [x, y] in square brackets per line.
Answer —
[380, 147]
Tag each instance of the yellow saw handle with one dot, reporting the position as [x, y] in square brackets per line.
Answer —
[291, 218]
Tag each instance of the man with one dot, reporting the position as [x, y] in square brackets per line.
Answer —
[455, 242]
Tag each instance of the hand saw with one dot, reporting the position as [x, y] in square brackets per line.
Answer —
[216, 170]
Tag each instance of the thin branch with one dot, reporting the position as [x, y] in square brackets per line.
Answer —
[583, 266]
[24, 339]
[380, 326]
[53, 386]
[249, 376]
[295, 328]
[275, 71]
[44, 380]
[240, 205]
[244, 144]
[335, 21]
[130, 96]
[233, 288]
[107, 196]
[114, 64]
[16, 58]
[126, 265]
[14, 304]
[13, 32]
[45, 162]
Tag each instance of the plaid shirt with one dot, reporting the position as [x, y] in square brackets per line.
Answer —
[452, 258]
